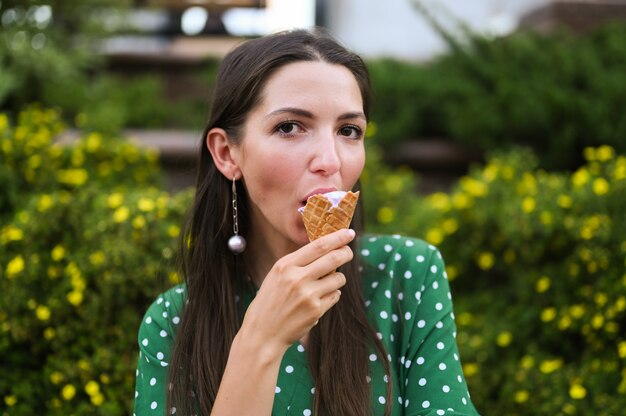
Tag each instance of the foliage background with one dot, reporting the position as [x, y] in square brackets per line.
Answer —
[533, 238]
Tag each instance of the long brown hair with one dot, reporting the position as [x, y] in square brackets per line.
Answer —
[215, 277]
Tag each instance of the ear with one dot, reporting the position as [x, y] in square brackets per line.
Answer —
[224, 153]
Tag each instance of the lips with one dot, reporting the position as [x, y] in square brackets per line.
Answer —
[315, 192]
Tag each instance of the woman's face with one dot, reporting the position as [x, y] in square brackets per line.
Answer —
[305, 137]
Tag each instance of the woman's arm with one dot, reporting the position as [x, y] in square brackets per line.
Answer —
[294, 295]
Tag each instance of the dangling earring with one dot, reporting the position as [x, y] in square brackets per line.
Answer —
[236, 243]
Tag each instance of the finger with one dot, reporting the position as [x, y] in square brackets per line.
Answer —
[328, 284]
[328, 263]
[330, 300]
[321, 246]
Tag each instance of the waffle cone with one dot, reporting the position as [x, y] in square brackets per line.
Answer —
[321, 218]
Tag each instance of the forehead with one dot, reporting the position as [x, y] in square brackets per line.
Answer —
[310, 81]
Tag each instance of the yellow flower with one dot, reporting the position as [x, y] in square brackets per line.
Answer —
[490, 172]
[605, 153]
[550, 366]
[450, 226]
[145, 204]
[577, 311]
[44, 203]
[58, 252]
[452, 271]
[174, 278]
[601, 186]
[92, 388]
[105, 379]
[528, 204]
[75, 297]
[72, 177]
[97, 258]
[464, 318]
[619, 173]
[473, 187]
[548, 314]
[393, 184]
[485, 260]
[543, 284]
[564, 322]
[470, 369]
[84, 365]
[12, 399]
[42, 312]
[4, 122]
[115, 200]
[371, 129]
[434, 236]
[15, 266]
[546, 217]
[461, 201]
[589, 153]
[577, 391]
[173, 231]
[597, 321]
[564, 201]
[97, 399]
[521, 396]
[527, 362]
[139, 222]
[504, 339]
[92, 142]
[11, 233]
[68, 392]
[580, 177]
[385, 215]
[49, 333]
[121, 214]
[440, 201]
[56, 377]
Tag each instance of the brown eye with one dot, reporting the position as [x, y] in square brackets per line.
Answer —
[351, 132]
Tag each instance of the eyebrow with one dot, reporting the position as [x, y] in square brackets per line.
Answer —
[308, 114]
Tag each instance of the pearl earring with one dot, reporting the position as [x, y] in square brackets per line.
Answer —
[236, 243]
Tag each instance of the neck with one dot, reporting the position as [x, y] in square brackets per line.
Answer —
[264, 250]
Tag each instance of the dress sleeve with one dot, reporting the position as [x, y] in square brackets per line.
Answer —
[433, 377]
[155, 337]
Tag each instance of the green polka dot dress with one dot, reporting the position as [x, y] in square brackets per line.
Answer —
[408, 300]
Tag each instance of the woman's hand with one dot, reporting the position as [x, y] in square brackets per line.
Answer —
[298, 291]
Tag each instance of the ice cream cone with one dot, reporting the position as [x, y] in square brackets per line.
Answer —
[322, 217]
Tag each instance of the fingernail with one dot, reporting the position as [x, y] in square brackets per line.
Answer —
[352, 232]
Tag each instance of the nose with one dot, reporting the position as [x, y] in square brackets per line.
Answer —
[326, 159]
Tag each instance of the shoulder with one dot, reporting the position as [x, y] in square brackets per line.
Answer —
[163, 316]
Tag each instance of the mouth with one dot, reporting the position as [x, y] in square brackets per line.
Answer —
[314, 192]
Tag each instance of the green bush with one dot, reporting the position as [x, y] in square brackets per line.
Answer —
[537, 264]
[556, 93]
[86, 242]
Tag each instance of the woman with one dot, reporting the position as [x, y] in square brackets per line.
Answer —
[280, 325]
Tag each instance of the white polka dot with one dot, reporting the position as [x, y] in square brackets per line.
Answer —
[300, 348]
[445, 275]
[456, 357]
[459, 378]
[365, 252]
[381, 266]
[420, 360]
[435, 285]
[407, 316]
[425, 404]
[441, 412]
[306, 412]
[180, 290]
[418, 295]
[136, 394]
[173, 411]
[394, 317]
[368, 303]
[374, 285]
[400, 399]
[176, 320]
[422, 381]
[167, 304]
[163, 364]
[442, 366]
[144, 342]
[386, 378]
[440, 345]
[439, 325]
[379, 335]
[277, 390]
[313, 390]
[387, 248]
[408, 274]
[439, 306]
[159, 301]
[149, 320]
[388, 294]
[421, 323]
[407, 364]
[420, 259]
[406, 403]
[396, 236]
[372, 239]
[402, 359]
[160, 355]
[433, 269]
[446, 389]
[163, 333]
[397, 257]
[409, 243]
[392, 338]
[384, 315]
[164, 314]
[464, 401]
[153, 405]
[373, 357]
[152, 381]
[289, 369]
[381, 400]
[368, 379]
